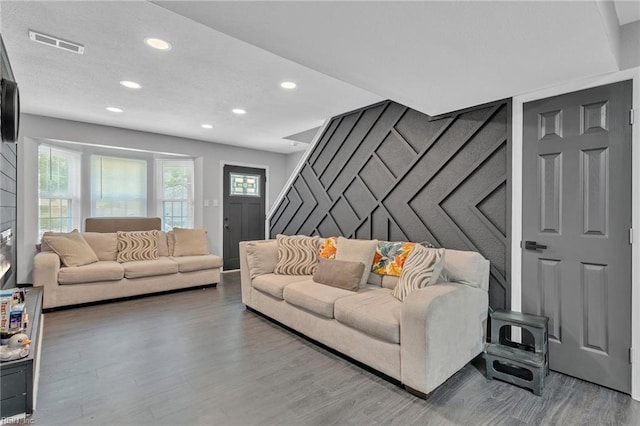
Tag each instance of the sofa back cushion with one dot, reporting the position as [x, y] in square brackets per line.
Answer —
[163, 244]
[104, 245]
[262, 257]
[190, 242]
[465, 267]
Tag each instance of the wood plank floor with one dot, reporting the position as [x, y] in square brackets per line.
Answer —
[200, 358]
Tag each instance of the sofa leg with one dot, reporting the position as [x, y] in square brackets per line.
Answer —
[417, 393]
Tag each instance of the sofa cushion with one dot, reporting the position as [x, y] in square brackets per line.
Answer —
[422, 268]
[104, 245]
[150, 268]
[384, 281]
[163, 244]
[137, 245]
[262, 257]
[105, 270]
[171, 242]
[197, 263]
[357, 251]
[375, 312]
[71, 247]
[190, 242]
[314, 297]
[273, 284]
[297, 255]
[339, 273]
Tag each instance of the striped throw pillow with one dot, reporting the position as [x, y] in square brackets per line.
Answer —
[137, 245]
[297, 255]
[422, 268]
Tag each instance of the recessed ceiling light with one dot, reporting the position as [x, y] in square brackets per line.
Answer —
[288, 85]
[157, 43]
[238, 111]
[206, 126]
[130, 84]
[114, 109]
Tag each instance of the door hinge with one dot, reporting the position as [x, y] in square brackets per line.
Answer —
[630, 355]
[630, 235]
[632, 114]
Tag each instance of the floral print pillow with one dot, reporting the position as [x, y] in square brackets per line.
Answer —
[390, 257]
[328, 248]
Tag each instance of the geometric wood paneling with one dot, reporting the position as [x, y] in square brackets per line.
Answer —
[8, 203]
[392, 173]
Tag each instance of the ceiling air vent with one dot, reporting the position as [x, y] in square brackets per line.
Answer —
[52, 41]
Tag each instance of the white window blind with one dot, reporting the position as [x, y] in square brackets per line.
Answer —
[118, 186]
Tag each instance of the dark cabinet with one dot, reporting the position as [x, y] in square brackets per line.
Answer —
[19, 378]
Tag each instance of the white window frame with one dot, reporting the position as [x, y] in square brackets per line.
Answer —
[74, 195]
[160, 164]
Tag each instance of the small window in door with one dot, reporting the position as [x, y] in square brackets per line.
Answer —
[244, 185]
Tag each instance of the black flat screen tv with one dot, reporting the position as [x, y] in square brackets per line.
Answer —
[9, 99]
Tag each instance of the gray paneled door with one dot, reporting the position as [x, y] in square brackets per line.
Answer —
[243, 210]
[577, 211]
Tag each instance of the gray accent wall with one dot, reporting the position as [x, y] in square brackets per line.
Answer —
[392, 173]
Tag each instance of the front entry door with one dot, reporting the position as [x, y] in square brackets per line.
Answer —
[243, 210]
[576, 257]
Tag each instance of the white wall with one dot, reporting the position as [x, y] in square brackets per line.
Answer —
[630, 45]
[293, 159]
[34, 127]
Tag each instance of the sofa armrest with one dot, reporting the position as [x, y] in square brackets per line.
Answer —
[46, 266]
[245, 275]
[442, 328]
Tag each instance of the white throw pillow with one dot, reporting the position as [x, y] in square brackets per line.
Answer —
[357, 251]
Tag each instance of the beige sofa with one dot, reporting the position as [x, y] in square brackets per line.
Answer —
[108, 279]
[420, 342]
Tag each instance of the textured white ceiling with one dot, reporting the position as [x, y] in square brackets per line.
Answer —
[204, 75]
[433, 56]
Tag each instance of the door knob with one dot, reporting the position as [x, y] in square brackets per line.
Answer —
[226, 226]
[533, 245]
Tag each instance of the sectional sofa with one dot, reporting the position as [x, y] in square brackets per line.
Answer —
[420, 341]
